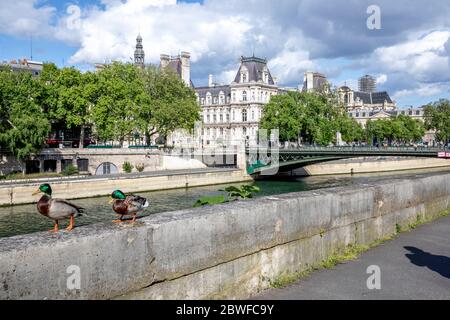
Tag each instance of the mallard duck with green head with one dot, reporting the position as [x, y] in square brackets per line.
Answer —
[57, 209]
[125, 205]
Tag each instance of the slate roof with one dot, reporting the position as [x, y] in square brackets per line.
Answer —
[373, 98]
[255, 67]
[215, 91]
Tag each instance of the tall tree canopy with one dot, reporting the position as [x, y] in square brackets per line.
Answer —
[401, 129]
[312, 117]
[437, 117]
[170, 104]
[24, 126]
[120, 95]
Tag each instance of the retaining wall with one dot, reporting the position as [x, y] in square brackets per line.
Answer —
[87, 188]
[226, 251]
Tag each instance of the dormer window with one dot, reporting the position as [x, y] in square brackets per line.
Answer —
[266, 75]
[244, 75]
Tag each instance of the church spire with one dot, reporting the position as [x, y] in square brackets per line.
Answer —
[139, 54]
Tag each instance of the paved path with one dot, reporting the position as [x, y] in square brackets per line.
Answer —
[416, 265]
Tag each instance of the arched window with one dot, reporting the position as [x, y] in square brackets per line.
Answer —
[244, 95]
[106, 168]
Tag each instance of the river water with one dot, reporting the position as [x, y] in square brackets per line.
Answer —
[24, 219]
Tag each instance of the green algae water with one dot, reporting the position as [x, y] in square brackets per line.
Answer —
[24, 219]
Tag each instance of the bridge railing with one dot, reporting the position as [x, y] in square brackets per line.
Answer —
[361, 149]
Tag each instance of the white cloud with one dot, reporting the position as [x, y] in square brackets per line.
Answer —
[410, 57]
[423, 90]
[289, 66]
[26, 17]
[381, 79]
[422, 59]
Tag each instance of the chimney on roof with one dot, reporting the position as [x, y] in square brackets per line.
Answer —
[186, 68]
[165, 59]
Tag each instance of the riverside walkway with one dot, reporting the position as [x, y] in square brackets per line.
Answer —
[415, 265]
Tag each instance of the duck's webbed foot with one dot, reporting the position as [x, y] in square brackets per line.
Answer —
[71, 224]
[120, 220]
[56, 228]
[134, 218]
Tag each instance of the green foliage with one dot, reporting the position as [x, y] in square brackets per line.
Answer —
[210, 201]
[127, 167]
[437, 117]
[401, 129]
[170, 104]
[242, 192]
[23, 124]
[234, 193]
[120, 94]
[311, 117]
[70, 170]
[350, 129]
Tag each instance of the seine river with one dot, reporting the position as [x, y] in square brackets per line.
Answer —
[24, 219]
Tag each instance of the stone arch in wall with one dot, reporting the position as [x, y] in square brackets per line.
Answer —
[106, 168]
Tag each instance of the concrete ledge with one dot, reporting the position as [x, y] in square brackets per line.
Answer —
[225, 251]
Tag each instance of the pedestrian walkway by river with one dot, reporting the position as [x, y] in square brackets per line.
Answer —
[416, 265]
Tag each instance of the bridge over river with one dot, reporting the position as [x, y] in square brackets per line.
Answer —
[264, 160]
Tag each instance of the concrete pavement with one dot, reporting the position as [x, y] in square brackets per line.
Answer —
[416, 265]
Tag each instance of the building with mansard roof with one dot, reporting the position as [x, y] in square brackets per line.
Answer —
[231, 113]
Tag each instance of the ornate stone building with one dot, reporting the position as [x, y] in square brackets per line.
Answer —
[231, 113]
[139, 54]
[364, 106]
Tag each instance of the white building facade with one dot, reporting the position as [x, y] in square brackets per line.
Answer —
[231, 113]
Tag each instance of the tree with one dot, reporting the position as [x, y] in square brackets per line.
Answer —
[284, 112]
[437, 117]
[168, 104]
[67, 95]
[23, 124]
[350, 129]
[402, 129]
[312, 117]
[119, 96]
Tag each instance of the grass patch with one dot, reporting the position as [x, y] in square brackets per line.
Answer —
[352, 252]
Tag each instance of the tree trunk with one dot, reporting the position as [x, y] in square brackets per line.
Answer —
[82, 132]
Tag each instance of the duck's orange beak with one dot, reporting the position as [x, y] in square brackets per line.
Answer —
[111, 200]
[36, 192]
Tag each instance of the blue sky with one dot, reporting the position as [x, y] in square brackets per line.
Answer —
[409, 55]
